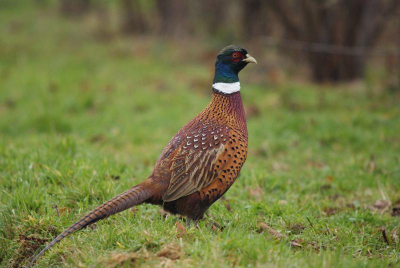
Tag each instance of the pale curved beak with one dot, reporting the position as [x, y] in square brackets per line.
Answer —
[250, 59]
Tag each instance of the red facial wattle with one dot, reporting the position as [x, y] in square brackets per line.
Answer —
[237, 56]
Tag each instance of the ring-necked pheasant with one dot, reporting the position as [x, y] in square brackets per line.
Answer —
[200, 162]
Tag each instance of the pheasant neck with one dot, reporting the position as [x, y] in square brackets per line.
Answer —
[224, 73]
[228, 109]
[226, 80]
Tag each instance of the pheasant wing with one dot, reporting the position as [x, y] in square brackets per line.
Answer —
[195, 164]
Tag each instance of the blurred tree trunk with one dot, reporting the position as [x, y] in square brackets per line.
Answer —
[173, 15]
[133, 19]
[254, 18]
[348, 23]
[74, 7]
[213, 14]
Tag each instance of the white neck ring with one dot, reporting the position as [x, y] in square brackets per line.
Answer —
[227, 88]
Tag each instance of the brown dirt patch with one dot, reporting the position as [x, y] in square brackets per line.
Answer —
[28, 245]
[167, 255]
[119, 259]
[170, 251]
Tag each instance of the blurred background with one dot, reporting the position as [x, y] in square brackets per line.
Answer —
[318, 41]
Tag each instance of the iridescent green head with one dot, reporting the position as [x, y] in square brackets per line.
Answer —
[230, 61]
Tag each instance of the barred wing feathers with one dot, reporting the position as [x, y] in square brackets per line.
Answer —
[194, 165]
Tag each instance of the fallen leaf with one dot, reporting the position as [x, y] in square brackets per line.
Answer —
[217, 227]
[271, 231]
[381, 205]
[295, 243]
[256, 193]
[62, 211]
[330, 211]
[228, 206]
[180, 229]
[329, 179]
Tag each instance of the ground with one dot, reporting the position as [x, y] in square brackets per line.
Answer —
[84, 115]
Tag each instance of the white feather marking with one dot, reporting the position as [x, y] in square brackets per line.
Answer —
[227, 88]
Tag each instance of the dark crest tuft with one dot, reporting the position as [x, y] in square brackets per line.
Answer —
[229, 49]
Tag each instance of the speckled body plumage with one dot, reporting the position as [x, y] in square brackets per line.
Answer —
[200, 163]
[205, 157]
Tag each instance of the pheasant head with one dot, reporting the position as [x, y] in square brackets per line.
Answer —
[230, 61]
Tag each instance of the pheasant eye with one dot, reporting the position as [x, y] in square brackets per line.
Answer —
[236, 56]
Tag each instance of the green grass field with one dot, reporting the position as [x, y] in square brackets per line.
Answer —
[84, 117]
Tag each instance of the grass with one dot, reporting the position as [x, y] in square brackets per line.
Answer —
[84, 116]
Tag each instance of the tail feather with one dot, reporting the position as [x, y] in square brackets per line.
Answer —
[132, 197]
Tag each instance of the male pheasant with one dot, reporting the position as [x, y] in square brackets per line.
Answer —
[200, 162]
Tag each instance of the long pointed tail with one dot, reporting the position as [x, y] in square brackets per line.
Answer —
[132, 197]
